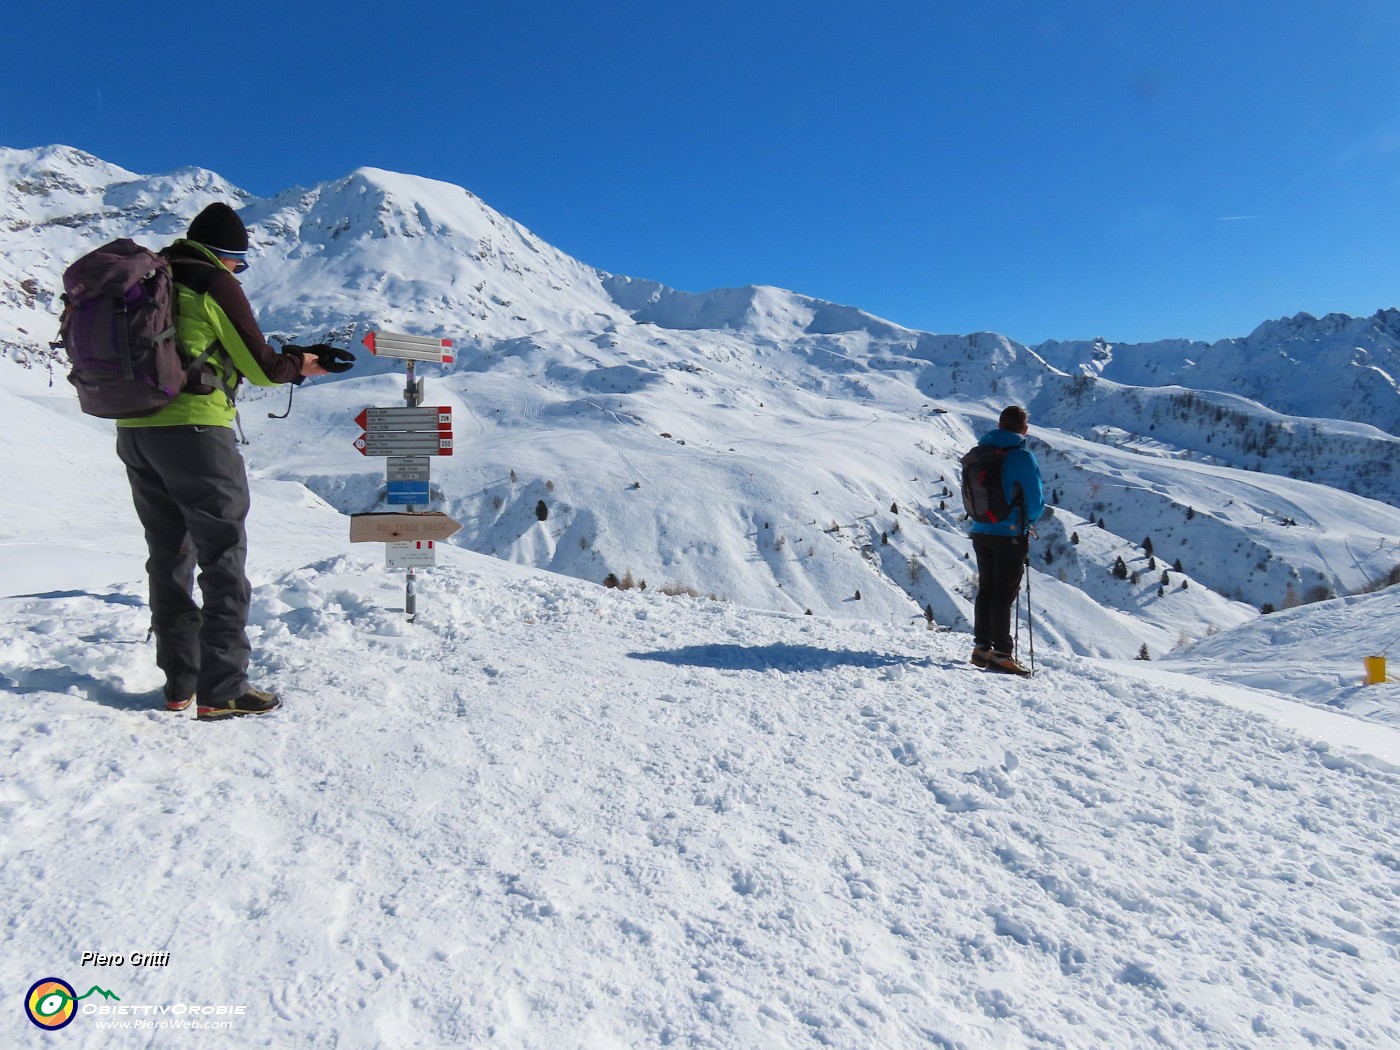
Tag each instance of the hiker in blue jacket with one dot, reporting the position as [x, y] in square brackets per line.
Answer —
[1002, 546]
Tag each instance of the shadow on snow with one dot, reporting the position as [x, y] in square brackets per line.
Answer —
[786, 658]
[108, 599]
[62, 680]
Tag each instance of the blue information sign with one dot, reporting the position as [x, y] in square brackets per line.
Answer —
[408, 493]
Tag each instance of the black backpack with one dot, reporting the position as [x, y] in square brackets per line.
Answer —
[984, 499]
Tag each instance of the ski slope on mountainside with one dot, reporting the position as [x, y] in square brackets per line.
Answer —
[1315, 654]
[1237, 531]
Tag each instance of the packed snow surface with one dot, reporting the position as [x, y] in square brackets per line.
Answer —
[554, 815]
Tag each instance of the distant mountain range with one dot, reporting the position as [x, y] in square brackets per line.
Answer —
[1336, 366]
[765, 446]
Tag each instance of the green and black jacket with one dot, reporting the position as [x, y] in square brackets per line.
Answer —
[212, 313]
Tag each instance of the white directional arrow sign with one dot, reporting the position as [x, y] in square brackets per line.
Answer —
[374, 444]
[425, 418]
[425, 431]
[409, 347]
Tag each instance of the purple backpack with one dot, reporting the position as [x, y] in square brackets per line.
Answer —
[118, 329]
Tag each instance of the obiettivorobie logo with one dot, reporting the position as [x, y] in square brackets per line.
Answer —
[52, 1003]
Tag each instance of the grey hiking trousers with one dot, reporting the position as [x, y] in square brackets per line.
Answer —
[191, 494]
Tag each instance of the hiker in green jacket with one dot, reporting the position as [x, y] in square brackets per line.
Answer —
[187, 477]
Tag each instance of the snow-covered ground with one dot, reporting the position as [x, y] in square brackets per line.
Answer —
[1314, 654]
[551, 815]
[554, 815]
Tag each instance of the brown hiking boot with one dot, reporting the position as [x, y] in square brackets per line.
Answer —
[253, 702]
[981, 655]
[1007, 664]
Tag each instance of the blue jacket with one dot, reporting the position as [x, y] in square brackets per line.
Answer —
[1018, 467]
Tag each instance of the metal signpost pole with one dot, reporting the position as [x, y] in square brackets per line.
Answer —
[407, 437]
[412, 396]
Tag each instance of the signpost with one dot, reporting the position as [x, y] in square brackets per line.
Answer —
[405, 431]
[406, 493]
[409, 347]
[383, 443]
[407, 437]
[425, 525]
[412, 420]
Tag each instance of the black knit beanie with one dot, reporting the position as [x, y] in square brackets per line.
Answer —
[219, 227]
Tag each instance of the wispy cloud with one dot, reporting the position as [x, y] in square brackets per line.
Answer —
[1236, 218]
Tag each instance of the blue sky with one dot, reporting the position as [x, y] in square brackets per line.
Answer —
[1046, 170]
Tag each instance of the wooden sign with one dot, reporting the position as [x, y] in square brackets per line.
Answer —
[399, 527]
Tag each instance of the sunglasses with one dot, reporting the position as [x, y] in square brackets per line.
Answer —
[240, 258]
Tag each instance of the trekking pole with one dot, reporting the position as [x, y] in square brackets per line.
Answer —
[1016, 626]
[1027, 534]
[1030, 612]
[1020, 504]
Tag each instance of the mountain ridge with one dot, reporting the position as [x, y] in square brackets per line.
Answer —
[1331, 354]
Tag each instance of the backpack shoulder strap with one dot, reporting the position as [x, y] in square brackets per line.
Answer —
[198, 275]
[195, 274]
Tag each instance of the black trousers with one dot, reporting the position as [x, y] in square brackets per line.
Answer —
[1000, 565]
[191, 494]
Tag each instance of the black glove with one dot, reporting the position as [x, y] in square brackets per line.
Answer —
[331, 358]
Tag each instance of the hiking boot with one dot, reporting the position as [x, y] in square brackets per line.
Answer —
[981, 655]
[253, 702]
[1007, 664]
[177, 699]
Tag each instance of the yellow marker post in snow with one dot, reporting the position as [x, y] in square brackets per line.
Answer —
[1375, 669]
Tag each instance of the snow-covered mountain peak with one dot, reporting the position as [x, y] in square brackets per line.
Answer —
[63, 168]
[65, 186]
[759, 309]
[1335, 366]
[1383, 326]
[387, 203]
